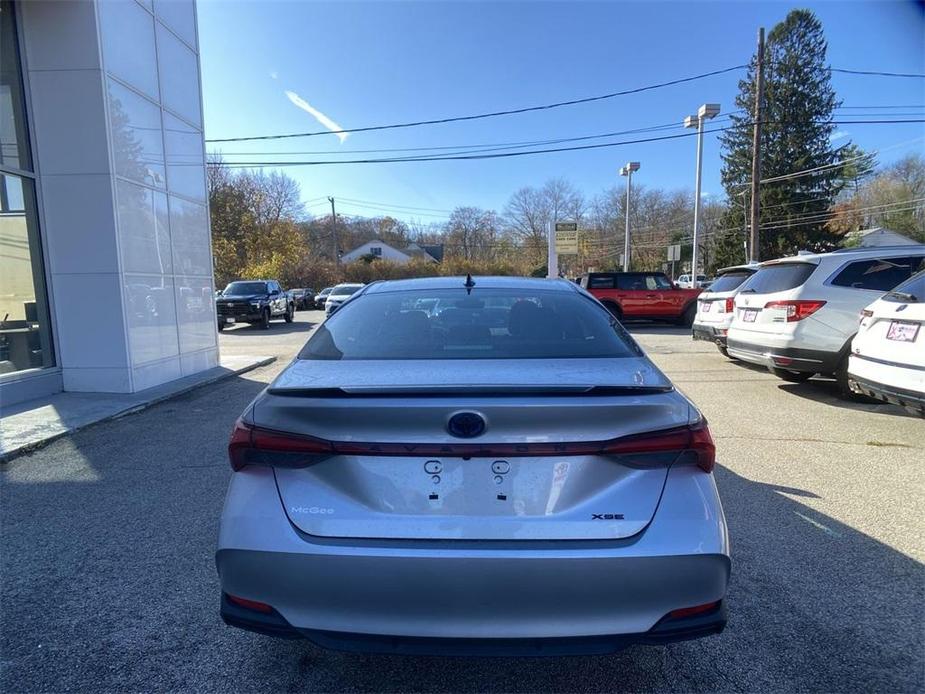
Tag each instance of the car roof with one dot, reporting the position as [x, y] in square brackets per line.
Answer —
[842, 253]
[753, 267]
[426, 283]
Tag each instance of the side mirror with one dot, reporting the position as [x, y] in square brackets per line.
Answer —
[275, 292]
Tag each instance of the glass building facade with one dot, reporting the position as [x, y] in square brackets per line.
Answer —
[105, 252]
[25, 333]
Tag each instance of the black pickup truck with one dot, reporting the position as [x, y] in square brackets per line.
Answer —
[253, 301]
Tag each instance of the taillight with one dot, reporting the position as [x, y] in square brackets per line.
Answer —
[866, 313]
[730, 305]
[695, 438]
[255, 446]
[797, 309]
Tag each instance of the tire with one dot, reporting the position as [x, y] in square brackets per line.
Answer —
[290, 313]
[687, 318]
[723, 351]
[791, 376]
[265, 319]
[844, 390]
[221, 327]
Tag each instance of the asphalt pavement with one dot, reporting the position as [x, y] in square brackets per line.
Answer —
[107, 579]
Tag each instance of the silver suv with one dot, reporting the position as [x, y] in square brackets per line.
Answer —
[797, 315]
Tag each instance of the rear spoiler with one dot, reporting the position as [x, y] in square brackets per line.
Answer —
[470, 390]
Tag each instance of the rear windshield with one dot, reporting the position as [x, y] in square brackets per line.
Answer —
[488, 324]
[245, 288]
[729, 281]
[912, 291]
[779, 277]
[346, 290]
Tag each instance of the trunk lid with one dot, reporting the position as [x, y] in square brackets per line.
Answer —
[447, 494]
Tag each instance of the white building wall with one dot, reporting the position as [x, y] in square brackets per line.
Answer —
[117, 124]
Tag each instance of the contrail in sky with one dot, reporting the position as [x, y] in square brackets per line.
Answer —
[317, 115]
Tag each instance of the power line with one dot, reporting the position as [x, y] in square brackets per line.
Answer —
[877, 73]
[499, 145]
[492, 114]
[530, 143]
[497, 155]
[385, 204]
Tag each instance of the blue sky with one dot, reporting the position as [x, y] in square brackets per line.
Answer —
[364, 64]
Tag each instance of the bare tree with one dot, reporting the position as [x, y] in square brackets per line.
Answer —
[472, 232]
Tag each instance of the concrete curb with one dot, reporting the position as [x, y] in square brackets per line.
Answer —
[132, 408]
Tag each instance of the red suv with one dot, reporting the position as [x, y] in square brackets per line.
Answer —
[642, 295]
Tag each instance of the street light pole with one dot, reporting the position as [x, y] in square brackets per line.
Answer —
[705, 112]
[628, 172]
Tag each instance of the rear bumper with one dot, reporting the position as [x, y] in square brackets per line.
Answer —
[709, 333]
[453, 593]
[791, 358]
[668, 630]
[877, 380]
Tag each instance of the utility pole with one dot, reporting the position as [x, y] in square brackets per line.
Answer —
[552, 258]
[756, 146]
[628, 172]
[706, 111]
[334, 233]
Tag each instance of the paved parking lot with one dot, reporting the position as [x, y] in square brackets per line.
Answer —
[108, 582]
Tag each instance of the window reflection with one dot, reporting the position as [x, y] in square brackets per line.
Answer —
[25, 339]
[14, 145]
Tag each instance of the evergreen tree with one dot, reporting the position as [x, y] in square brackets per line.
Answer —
[798, 106]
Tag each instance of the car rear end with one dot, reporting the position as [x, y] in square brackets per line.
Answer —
[716, 306]
[463, 500]
[887, 359]
[776, 324]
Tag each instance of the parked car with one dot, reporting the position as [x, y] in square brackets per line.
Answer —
[887, 360]
[642, 295]
[685, 281]
[412, 485]
[322, 296]
[339, 295]
[303, 298]
[716, 305]
[255, 302]
[798, 315]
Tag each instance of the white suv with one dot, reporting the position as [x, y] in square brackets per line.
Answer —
[887, 359]
[797, 315]
[716, 305]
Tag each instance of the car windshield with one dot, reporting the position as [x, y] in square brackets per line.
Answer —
[779, 277]
[489, 324]
[346, 289]
[910, 291]
[245, 288]
[729, 281]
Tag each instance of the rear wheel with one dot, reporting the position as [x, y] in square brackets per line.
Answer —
[290, 313]
[791, 376]
[265, 319]
[614, 310]
[844, 389]
[723, 351]
[687, 318]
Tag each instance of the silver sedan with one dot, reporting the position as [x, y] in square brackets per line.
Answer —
[485, 466]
